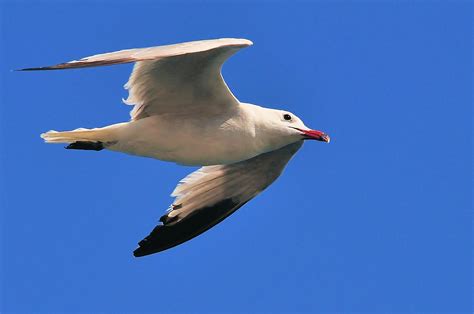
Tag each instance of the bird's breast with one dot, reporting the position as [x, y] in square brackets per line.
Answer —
[189, 140]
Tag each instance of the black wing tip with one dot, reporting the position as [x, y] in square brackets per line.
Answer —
[83, 63]
[170, 234]
[145, 250]
[26, 69]
[139, 252]
[37, 69]
[148, 245]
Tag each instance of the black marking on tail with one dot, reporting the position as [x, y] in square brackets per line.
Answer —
[86, 145]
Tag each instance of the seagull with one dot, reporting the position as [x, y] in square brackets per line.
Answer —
[184, 112]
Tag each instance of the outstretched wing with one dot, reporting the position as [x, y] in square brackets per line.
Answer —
[176, 78]
[210, 194]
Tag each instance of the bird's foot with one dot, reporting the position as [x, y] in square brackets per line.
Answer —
[86, 145]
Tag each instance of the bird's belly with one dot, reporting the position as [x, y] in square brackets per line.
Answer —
[189, 145]
[207, 154]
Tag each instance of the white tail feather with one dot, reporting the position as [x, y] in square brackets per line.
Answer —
[106, 134]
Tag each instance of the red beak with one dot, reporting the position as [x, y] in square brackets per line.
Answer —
[315, 135]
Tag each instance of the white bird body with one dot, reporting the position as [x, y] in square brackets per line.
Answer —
[185, 113]
[189, 139]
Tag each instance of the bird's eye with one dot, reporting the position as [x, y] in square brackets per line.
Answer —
[287, 117]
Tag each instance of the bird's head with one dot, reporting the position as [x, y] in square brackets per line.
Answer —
[277, 128]
[289, 125]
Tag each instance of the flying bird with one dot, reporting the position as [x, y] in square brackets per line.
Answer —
[184, 112]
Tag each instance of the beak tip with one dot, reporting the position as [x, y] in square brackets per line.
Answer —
[315, 135]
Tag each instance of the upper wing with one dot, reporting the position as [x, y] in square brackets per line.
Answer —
[210, 194]
[174, 78]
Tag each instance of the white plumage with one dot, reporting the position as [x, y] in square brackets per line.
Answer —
[184, 112]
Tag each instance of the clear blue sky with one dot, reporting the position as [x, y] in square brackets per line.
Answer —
[379, 220]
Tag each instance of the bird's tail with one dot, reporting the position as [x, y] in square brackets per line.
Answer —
[105, 135]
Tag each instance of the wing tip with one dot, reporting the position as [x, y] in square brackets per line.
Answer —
[45, 68]
[167, 235]
[31, 69]
[76, 64]
[139, 252]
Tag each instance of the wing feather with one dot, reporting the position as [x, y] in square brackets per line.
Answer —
[212, 193]
[180, 78]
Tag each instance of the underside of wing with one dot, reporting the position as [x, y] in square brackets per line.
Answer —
[151, 53]
[165, 236]
[176, 78]
[210, 194]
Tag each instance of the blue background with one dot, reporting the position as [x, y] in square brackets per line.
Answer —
[379, 220]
